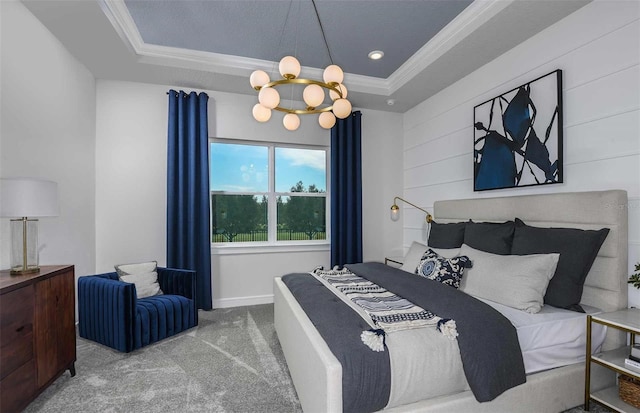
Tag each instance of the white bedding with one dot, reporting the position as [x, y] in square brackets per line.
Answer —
[550, 338]
[553, 337]
[415, 373]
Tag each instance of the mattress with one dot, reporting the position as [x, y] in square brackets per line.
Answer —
[553, 337]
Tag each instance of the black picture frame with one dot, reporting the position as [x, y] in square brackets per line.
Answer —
[518, 136]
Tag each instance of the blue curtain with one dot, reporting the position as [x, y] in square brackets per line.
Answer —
[188, 240]
[346, 191]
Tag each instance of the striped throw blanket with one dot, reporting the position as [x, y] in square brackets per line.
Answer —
[386, 311]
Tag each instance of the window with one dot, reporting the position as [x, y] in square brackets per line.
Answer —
[267, 193]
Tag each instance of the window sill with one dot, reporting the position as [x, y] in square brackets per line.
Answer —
[263, 248]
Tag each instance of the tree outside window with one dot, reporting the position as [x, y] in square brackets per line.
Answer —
[250, 180]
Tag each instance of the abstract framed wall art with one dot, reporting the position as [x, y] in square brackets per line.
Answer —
[518, 136]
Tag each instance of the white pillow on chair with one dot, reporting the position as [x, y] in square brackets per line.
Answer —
[144, 275]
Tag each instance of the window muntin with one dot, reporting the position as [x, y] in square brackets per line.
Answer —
[245, 210]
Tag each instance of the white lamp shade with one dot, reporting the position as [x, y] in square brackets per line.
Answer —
[342, 108]
[261, 113]
[313, 95]
[289, 67]
[327, 120]
[269, 97]
[28, 197]
[333, 74]
[258, 79]
[333, 95]
[291, 121]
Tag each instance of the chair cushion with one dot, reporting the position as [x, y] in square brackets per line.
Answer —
[162, 316]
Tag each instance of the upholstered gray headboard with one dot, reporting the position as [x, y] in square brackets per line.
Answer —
[606, 285]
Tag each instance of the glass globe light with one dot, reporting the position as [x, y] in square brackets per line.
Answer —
[341, 108]
[327, 120]
[258, 79]
[261, 113]
[313, 95]
[333, 74]
[333, 95]
[395, 212]
[291, 121]
[269, 97]
[289, 67]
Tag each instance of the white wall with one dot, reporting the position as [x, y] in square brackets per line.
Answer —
[131, 135]
[381, 181]
[47, 131]
[598, 49]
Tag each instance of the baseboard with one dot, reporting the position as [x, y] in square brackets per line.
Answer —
[242, 301]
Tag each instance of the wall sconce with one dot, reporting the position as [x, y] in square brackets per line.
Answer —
[395, 210]
[21, 198]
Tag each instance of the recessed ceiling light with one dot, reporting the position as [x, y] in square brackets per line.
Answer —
[376, 55]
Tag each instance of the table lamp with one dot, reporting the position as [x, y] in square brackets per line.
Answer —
[26, 199]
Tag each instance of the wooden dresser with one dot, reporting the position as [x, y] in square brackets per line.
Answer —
[37, 333]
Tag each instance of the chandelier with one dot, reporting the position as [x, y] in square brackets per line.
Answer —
[314, 93]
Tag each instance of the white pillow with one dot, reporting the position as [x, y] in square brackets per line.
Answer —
[142, 267]
[417, 250]
[143, 275]
[517, 281]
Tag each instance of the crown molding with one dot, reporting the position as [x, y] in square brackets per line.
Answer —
[464, 24]
[120, 18]
[471, 18]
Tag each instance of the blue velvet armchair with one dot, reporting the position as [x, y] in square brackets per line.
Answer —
[111, 314]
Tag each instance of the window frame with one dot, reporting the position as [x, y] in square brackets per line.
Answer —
[272, 244]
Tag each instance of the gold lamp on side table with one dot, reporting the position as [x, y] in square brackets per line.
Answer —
[395, 210]
[25, 199]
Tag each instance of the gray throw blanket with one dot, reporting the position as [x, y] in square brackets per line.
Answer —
[491, 356]
[488, 342]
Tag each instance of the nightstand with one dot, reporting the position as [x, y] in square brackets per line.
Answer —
[393, 261]
[625, 320]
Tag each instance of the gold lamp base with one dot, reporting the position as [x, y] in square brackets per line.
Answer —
[23, 271]
[24, 241]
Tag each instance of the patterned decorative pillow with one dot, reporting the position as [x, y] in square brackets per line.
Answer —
[448, 271]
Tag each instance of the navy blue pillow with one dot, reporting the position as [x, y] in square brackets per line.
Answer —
[578, 250]
[448, 271]
[446, 235]
[492, 237]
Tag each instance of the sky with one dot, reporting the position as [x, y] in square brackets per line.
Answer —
[244, 168]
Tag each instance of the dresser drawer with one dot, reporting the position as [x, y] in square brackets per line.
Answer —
[16, 315]
[17, 388]
[15, 354]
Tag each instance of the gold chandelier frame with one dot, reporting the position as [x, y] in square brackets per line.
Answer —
[314, 93]
[302, 81]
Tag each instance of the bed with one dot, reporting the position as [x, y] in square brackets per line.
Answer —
[317, 374]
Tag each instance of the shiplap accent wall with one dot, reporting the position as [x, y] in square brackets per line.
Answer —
[598, 49]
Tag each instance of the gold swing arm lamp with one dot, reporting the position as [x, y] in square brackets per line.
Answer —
[395, 210]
